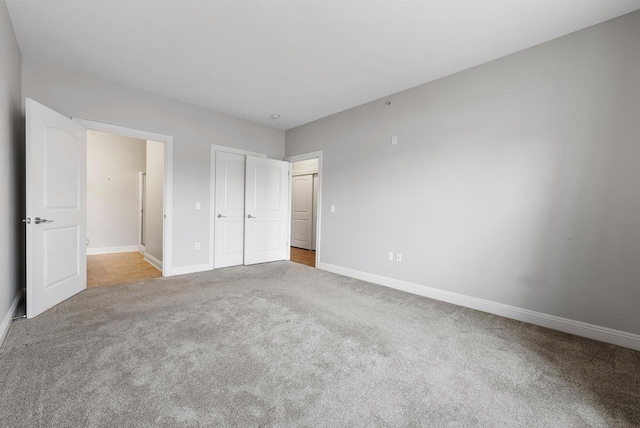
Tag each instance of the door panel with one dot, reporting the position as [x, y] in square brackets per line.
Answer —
[266, 235]
[266, 187]
[233, 230]
[61, 166]
[56, 177]
[302, 211]
[60, 244]
[267, 210]
[229, 210]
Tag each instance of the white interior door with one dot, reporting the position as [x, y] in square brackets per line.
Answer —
[267, 210]
[56, 197]
[302, 211]
[229, 210]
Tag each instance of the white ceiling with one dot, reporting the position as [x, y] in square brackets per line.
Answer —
[303, 59]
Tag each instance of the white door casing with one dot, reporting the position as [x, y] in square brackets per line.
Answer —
[229, 209]
[302, 211]
[56, 180]
[266, 210]
[315, 211]
[167, 197]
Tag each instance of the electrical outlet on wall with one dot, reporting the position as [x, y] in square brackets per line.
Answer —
[390, 256]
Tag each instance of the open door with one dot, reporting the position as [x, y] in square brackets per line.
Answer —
[266, 226]
[56, 180]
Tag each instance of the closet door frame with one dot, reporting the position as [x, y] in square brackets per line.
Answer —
[212, 191]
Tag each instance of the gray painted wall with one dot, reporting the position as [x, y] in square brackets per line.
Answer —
[11, 169]
[517, 181]
[194, 129]
[154, 198]
[114, 163]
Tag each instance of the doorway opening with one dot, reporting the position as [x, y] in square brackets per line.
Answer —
[125, 200]
[306, 179]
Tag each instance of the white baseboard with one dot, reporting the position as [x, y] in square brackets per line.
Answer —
[591, 331]
[142, 249]
[152, 260]
[6, 320]
[111, 250]
[182, 270]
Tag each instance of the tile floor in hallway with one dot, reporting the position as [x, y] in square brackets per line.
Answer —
[118, 268]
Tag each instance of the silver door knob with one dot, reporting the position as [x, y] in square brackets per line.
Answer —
[39, 220]
[221, 216]
[250, 216]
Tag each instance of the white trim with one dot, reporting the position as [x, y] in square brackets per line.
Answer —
[212, 191]
[142, 249]
[112, 250]
[289, 209]
[306, 171]
[306, 156]
[183, 270]
[6, 320]
[591, 331]
[141, 177]
[167, 232]
[218, 148]
[153, 261]
[121, 130]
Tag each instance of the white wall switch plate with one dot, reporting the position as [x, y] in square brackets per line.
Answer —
[198, 205]
[333, 208]
[197, 245]
[390, 256]
[394, 140]
[399, 258]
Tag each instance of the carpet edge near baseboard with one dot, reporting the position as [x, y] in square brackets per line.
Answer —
[566, 325]
[6, 320]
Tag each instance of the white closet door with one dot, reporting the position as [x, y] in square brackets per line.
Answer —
[229, 210]
[267, 211]
[302, 211]
[56, 196]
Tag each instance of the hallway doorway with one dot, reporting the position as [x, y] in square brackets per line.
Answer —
[125, 198]
[306, 202]
[119, 268]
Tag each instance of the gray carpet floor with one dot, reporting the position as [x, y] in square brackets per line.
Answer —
[283, 345]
